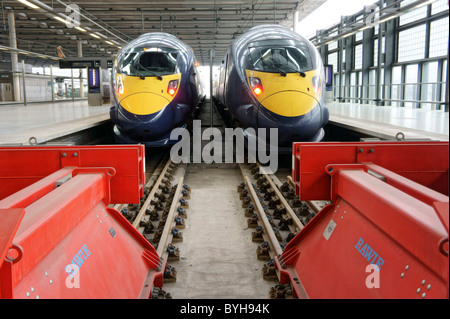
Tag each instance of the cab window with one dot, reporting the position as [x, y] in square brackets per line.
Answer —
[144, 63]
[281, 57]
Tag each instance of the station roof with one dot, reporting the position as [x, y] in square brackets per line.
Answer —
[203, 24]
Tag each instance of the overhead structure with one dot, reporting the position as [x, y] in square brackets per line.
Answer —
[104, 27]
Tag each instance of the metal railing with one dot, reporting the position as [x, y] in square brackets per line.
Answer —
[47, 88]
[430, 94]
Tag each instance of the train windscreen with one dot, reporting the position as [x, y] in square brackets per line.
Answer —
[149, 63]
[281, 56]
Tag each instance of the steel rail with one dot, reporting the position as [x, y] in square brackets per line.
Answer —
[298, 224]
[272, 239]
[166, 235]
[150, 196]
[274, 183]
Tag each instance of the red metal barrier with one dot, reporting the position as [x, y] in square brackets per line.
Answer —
[378, 218]
[70, 244]
[22, 166]
[423, 162]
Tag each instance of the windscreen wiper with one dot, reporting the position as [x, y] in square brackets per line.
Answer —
[282, 73]
[159, 77]
[141, 76]
[302, 74]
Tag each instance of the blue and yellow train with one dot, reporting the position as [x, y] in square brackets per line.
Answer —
[154, 89]
[271, 77]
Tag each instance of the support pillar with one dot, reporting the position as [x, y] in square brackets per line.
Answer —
[24, 83]
[80, 55]
[295, 21]
[52, 83]
[212, 54]
[14, 56]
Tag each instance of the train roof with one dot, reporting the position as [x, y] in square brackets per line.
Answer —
[267, 32]
[260, 33]
[158, 39]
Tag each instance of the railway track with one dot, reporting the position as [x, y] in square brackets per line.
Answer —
[272, 213]
[160, 215]
[276, 214]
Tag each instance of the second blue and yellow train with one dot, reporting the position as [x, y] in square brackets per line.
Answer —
[272, 77]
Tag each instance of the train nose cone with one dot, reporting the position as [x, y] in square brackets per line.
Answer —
[144, 103]
[290, 103]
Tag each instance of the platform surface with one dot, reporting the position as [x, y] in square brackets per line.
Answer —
[386, 121]
[47, 121]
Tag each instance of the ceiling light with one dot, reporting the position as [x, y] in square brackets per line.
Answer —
[109, 42]
[94, 35]
[101, 35]
[60, 19]
[31, 5]
[81, 29]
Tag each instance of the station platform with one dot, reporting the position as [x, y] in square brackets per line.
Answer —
[386, 122]
[43, 122]
[46, 121]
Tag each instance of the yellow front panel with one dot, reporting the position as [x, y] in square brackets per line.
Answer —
[144, 103]
[292, 95]
[290, 103]
[144, 96]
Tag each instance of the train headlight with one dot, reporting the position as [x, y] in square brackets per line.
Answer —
[256, 85]
[172, 88]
